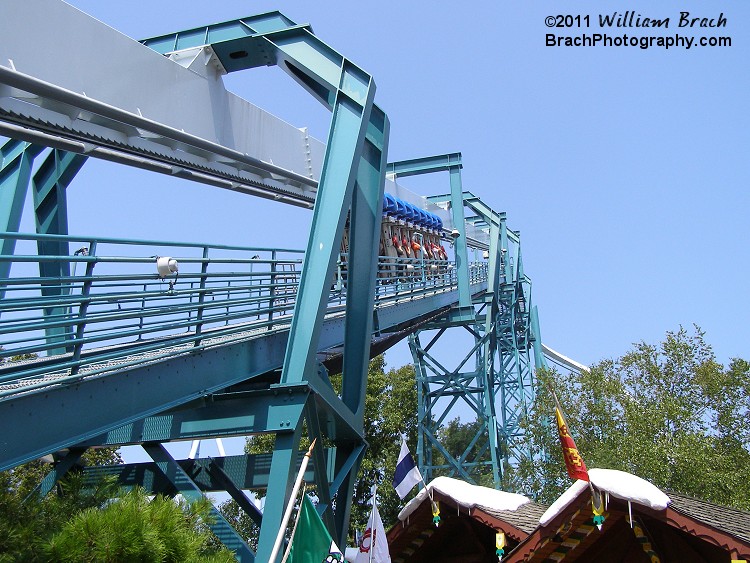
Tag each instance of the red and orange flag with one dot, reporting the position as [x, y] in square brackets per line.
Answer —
[573, 460]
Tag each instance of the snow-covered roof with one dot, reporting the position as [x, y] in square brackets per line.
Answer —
[619, 484]
[466, 495]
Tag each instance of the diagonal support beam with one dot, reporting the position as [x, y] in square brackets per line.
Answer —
[219, 475]
[58, 472]
[188, 489]
[16, 161]
[246, 471]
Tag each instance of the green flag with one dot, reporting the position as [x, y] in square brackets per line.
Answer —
[311, 542]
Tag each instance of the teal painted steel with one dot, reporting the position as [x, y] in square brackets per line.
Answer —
[465, 310]
[16, 160]
[501, 376]
[114, 325]
[357, 140]
[60, 468]
[426, 165]
[364, 237]
[249, 472]
[473, 384]
[49, 185]
[344, 151]
[184, 485]
[227, 484]
[224, 415]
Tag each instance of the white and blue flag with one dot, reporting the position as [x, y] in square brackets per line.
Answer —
[407, 474]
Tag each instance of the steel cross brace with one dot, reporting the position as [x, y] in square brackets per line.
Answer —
[502, 330]
[469, 386]
[185, 485]
[496, 222]
[245, 471]
[60, 468]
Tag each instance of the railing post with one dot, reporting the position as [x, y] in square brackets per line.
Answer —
[272, 292]
[201, 297]
[83, 308]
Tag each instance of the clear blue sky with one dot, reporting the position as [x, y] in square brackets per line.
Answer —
[625, 170]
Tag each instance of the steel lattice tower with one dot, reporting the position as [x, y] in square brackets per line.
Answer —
[494, 380]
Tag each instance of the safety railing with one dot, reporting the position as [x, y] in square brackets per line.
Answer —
[114, 303]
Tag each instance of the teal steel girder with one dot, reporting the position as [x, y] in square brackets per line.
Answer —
[170, 383]
[503, 331]
[470, 386]
[184, 484]
[16, 161]
[274, 39]
[451, 163]
[249, 472]
[218, 415]
[227, 484]
[49, 186]
[59, 469]
[426, 165]
[352, 177]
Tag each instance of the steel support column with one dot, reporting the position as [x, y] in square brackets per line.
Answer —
[16, 161]
[50, 183]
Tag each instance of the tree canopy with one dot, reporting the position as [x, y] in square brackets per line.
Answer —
[669, 413]
[28, 521]
[136, 528]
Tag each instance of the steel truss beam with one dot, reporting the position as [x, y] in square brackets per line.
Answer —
[169, 383]
[49, 185]
[351, 181]
[435, 382]
[251, 472]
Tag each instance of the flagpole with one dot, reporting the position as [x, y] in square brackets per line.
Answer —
[294, 529]
[372, 519]
[429, 493]
[290, 505]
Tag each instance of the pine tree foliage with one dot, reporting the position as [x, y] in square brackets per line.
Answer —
[668, 413]
[134, 528]
[28, 521]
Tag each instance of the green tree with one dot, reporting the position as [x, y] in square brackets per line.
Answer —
[134, 528]
[390, 410]
[455, 437]
[668, 413]
[28, 521]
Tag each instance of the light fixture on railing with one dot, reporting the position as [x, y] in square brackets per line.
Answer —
[166, 266]
[455, 234]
